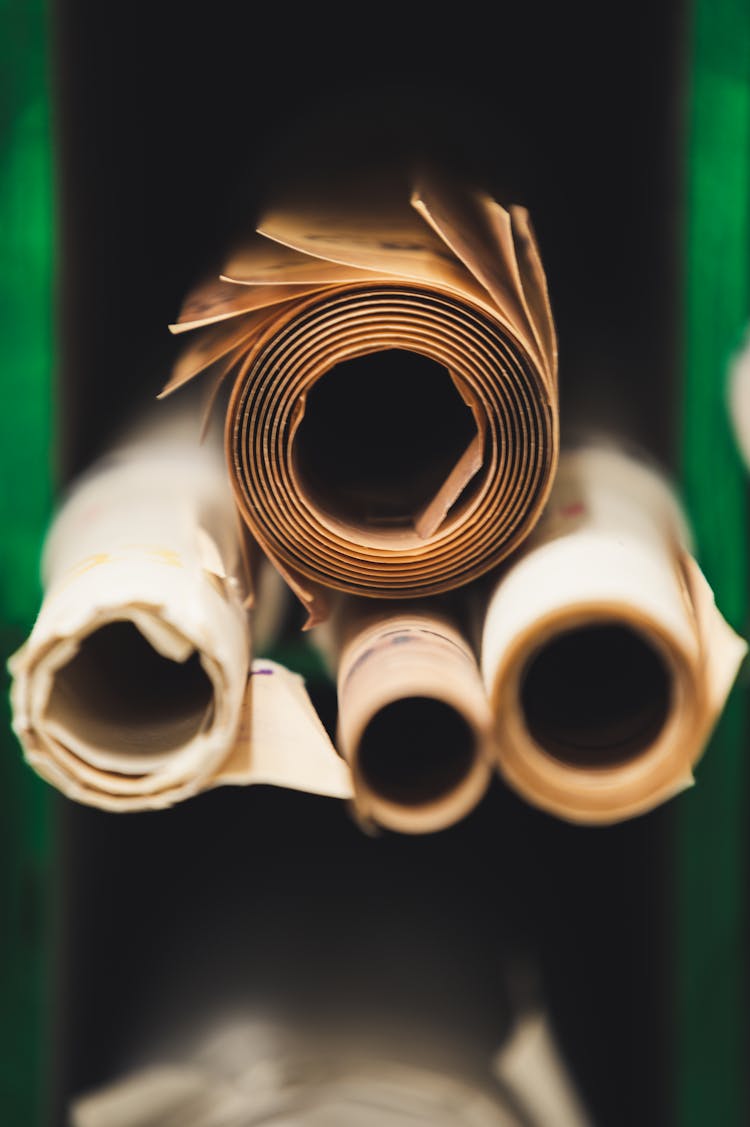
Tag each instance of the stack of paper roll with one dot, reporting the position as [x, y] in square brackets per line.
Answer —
[391, 452]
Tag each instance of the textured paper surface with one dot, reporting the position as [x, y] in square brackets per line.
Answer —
[611, 550]
[449, 275]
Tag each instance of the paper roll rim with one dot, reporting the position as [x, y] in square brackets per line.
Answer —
[445, 810]
[608, 794]
[165, 784]
[419, 553]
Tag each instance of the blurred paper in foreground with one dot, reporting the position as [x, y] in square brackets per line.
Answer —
[131, 690]
[606, 660]
[254, 1075]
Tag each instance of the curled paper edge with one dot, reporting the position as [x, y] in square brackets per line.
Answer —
[281, 740]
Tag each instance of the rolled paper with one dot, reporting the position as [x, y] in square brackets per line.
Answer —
[393, 427]
[132, 690]
[414, 722]
[606, 660]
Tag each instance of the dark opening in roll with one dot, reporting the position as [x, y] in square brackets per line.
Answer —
[379, 437]
[596, 695]
[415, 751]
[118, 693]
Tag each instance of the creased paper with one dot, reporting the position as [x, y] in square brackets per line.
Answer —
[132, 690]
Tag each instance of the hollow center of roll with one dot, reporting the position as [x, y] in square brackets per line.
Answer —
[416, 751]
[121, 696]
[596, 695]
[379, 438]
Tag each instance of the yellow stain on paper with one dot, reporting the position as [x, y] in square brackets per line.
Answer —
[165, 555]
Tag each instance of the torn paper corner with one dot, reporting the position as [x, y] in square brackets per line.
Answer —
[281, 740]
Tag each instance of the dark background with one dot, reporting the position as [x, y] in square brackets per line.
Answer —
[172, 122]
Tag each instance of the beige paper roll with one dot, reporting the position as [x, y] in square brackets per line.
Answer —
[606, 660]
[414, 722]
[132, 691]
[393, 425]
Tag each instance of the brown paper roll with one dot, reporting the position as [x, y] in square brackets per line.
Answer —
[414, 720]
[393, 426]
